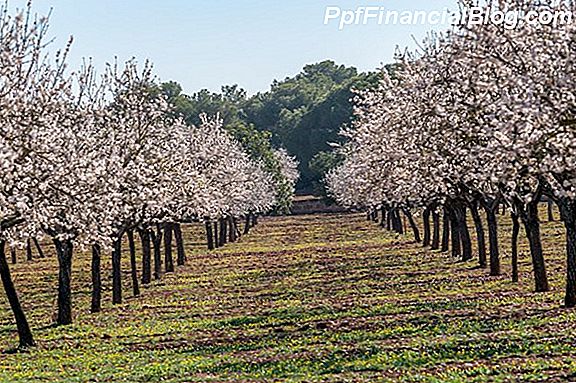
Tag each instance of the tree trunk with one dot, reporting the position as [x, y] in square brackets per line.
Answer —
[413, 225]
[237, 232]
[445, 232]
[399, 223]
[247, 224]
[436, 231]
[168, 261]
[210, 234]
[216, 235]
[465, 240]
[181, 253]
[455, 234]
[223, 232]
[38, 248]
[96, 305]
[396, 225]
[532, 226]
[64, 250]
[568, 212]
[231, 230]
[133, 264]
[157, 242]
[13, 255]
[491, 208]
[515, 234]
[146, 256]
[390, 220]
[24, 334]
[117, 271]
[383, 217]
[28, 250]
[403, 219]
[426, 219]
[480, 235]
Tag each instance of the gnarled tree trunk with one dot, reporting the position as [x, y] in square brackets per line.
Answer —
[24, 334]
[413, 225]
[529, 215]
[64, 249]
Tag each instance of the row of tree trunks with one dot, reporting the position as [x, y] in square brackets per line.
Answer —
[456, 233]
[65, 249]
[151, 241]
[29, 251]
[450, 230]
[227, 230]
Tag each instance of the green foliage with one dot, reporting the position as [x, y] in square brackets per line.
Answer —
[319, 166]
[305, 113]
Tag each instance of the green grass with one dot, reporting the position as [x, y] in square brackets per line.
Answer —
[304, 299]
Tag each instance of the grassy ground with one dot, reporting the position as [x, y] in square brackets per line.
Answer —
[304, 299]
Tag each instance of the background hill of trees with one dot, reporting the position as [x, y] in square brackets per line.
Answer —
[302, 114]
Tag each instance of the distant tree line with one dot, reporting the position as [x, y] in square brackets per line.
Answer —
[302, 114]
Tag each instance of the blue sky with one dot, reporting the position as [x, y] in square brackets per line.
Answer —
[209, 43]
